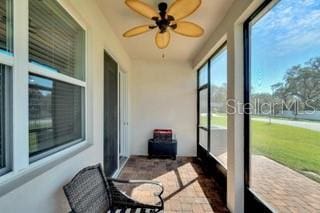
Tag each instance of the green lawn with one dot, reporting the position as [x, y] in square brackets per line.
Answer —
[297, 148]
[294, 147]
[218, 119]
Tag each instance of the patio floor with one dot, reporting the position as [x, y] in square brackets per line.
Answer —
[187, 187]
[284, 189]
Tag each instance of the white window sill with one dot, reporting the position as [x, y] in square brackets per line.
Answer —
[13, 180]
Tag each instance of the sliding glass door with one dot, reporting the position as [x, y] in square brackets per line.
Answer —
[110, 115]
[282, 124]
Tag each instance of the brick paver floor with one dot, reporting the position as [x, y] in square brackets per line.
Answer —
[187, 187]
[281, 188]
[284, 189]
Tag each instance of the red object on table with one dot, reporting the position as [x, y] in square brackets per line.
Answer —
[162, 134]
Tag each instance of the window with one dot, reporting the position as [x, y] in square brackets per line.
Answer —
[203, 111]
[5, 117]
[6, 47]
[212, 103]
[6, 27]
[55, 39]
[203, 108]
[218, 105]
[49, 84]
[203, 118]
[203, 75]
[283, 75]
[55, 114]
[56, 80]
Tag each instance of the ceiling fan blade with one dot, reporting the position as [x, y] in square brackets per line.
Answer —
[188, 29]
[162, 39]
[183, 8]
[137, 31]
[142, 8]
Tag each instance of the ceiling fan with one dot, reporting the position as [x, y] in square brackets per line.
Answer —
[166, 19]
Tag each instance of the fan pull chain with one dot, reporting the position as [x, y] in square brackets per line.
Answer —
[163, 56]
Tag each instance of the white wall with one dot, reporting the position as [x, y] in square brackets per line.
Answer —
[44, 193]
[162, 95]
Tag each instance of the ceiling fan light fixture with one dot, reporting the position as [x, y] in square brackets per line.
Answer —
[166, 19]
[162, 39]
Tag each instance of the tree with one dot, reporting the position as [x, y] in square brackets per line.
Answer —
[219, 98]
[302, 84]
[262, 103]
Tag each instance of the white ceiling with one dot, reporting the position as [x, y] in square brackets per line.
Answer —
[123, 18]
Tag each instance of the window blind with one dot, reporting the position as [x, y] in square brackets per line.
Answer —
[55, 114]
[56, 108]
[55, 39]
[3, 30]
[4, 114]
[6, 25]
[2, 118]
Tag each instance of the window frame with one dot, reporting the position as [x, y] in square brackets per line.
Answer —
[224, 45]
[56, 149]
[201, 88]
[7, 59]
[219, 50]
[8, 121]
[199, 126]
[9, 7]
[213, 165]
[252, 202]
[46, 72]
[22, 169]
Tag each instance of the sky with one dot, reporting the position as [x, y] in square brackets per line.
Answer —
[42, 82]
[287, 35]
[219, 68]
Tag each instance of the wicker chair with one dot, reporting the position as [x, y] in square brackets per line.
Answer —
[91, 192]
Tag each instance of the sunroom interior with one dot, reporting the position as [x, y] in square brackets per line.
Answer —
[242, 100]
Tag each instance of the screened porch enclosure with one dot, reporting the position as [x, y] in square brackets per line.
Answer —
[239, 106]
